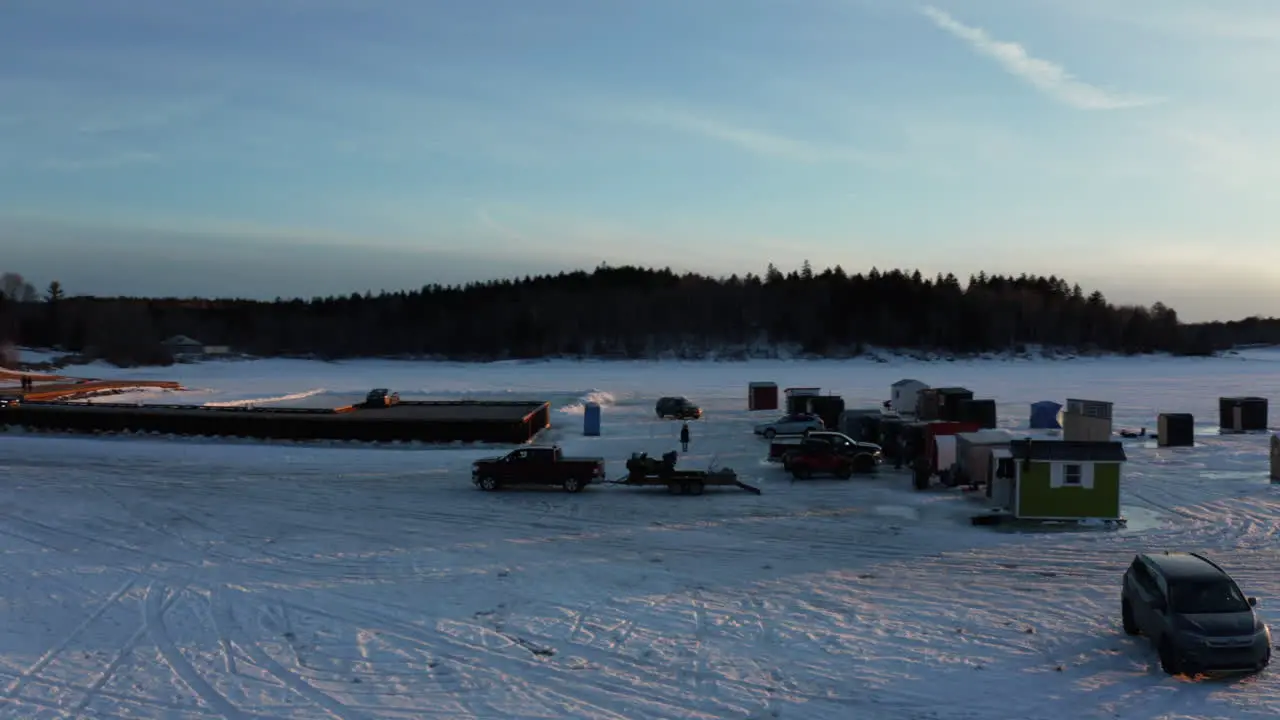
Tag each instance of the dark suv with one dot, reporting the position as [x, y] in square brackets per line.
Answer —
[380, 398]
[677, 407]
[1194, 614]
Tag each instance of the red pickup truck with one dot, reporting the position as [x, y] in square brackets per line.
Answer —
[831, 454]
[536, 466]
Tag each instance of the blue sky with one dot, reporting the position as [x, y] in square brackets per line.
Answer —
[300, 147]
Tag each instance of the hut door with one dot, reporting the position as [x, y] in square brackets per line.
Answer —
[1237, 418]
[1010, 500]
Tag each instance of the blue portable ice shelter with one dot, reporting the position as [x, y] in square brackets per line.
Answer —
[1044, 415]
[591, 419]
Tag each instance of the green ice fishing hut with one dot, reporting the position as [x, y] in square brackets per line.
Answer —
[1061, 480]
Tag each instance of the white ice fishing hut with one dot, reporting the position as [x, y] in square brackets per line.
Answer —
[904, 395]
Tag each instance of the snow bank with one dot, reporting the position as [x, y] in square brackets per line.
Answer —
[599, 397]
[30, 355]
[248, 402]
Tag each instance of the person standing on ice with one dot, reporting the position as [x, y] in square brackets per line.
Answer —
[684, 437]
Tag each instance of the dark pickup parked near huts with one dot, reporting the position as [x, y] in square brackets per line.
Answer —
[820, 457]
[537, 466]
[782, 447]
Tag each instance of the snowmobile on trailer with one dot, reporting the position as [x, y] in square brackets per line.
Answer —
[643, 470]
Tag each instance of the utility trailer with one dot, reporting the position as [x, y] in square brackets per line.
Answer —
[645, 471]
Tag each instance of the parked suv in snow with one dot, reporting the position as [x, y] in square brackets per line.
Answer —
[381, 397]
[794, 424]
[679, 408]
[1194, 614]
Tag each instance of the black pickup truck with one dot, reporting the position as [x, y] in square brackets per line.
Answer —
[866, 455]
[537, 466]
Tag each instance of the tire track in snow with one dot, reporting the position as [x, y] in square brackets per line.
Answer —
[93, 543]
[223, 610]
[1070, 627]
[94, 688]
[49, 655]
[145, 706]
[153, 620]
[538, 676]
[651, 679]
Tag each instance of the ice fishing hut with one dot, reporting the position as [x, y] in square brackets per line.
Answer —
[1061, 480]
[591, 419]
[1086, 421]
[1175, 430]
[1044, 415]
[861, 424]
[798, 399]
[762, 396]
[973, 454]
[827, 407]
[1242, 414]
[904, 395]
[949, 399]
[980, 411]
[941, 403]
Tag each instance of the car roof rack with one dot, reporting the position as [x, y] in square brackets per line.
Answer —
[1214, 564]
[1199, 556]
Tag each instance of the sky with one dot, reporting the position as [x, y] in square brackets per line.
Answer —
[314, 147]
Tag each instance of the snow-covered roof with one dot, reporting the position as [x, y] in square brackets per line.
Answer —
[986, 437]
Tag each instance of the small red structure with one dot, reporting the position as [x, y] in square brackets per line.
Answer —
[762, 396]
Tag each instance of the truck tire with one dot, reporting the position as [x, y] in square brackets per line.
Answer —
[694, 487]
[489, 483]
[675, 488]
[863, 464]
[1170, 662]
[770, 434]
[1126, 618]
[574, 485]
[845, 472]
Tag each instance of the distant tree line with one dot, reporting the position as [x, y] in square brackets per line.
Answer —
[627, 312]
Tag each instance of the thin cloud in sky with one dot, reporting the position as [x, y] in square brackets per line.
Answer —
[1048, 77]
[758, 142]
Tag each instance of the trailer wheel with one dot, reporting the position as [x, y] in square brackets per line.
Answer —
[845, 472]
[573, 485]
[694, 487]
[675, 488]
[488, 483]
[864, 464]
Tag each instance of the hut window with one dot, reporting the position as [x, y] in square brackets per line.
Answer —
[1072, 475]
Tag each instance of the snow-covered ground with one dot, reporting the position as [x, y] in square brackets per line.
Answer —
[199, 579]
